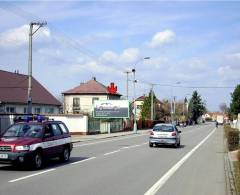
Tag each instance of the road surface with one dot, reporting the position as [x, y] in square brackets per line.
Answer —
[127, 165]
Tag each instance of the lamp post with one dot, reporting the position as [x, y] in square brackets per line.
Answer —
[134, 93]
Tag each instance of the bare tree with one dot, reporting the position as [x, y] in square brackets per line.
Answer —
[223, 107]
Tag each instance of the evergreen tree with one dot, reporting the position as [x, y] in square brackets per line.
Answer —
[146, 107]
[235, 102]
[196, 107]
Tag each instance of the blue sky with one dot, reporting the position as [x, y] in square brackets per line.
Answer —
[194, 43]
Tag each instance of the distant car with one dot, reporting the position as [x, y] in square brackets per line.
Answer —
[165, 134]
[107, 106]
[33, 142]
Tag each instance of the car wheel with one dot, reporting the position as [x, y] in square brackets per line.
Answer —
[37, 160]
[150, 145]
[65, 155]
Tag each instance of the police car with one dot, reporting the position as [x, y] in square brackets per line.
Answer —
[33, 140]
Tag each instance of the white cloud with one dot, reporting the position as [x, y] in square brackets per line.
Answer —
[17, 37]
[161, 38]
[130, 55]
[229, 73]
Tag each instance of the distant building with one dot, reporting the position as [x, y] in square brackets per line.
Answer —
[81, 98]
[139, 104]
[13, 95]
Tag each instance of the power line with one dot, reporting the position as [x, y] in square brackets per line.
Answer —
[182, 86]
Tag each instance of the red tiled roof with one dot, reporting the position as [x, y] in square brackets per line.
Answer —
[90, 87]
[141, 98]
[13, 89]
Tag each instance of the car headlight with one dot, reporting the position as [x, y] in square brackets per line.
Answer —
[22, 148]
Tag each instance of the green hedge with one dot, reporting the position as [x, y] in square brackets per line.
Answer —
[232, 136]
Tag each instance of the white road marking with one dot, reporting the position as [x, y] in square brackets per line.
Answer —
[111, 152]
[153, 190]
[112, 140]
[83, 160]
[28, 176]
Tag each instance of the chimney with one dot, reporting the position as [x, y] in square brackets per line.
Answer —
[94, 78]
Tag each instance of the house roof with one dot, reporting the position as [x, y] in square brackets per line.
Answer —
[141, 98]
[14, 87]
[90, 87]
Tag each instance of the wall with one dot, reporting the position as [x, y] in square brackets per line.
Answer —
[19, 108]
[85, 102]
[77, 124]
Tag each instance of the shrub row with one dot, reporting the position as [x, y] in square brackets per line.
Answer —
[232, 136]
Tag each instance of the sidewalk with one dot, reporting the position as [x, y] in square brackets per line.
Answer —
[82, 138]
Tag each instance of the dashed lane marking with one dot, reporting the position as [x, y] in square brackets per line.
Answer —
[32, 175]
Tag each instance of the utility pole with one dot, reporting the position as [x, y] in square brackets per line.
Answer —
[151, 101]
[31, 33]
[134, 95]
[127, 72]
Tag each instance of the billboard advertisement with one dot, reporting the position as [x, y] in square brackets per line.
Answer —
[111, 109]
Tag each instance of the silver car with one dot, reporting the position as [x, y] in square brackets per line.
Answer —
[165, 134]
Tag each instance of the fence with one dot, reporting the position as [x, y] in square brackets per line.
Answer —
[5, 121]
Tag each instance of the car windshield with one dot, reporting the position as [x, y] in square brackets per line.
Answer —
[24, 130]
[164, 128]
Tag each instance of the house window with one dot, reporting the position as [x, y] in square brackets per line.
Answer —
[37, 110]
[76, 105]
[25, 110]
[94, 99]
[10, 110]
[76, 102]
[49, 110]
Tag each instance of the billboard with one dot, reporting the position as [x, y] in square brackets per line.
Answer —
[111, 109]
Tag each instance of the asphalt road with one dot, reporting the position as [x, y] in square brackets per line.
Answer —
[127, 165]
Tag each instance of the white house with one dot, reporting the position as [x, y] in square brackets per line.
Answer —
[80, 99]
[13, 95]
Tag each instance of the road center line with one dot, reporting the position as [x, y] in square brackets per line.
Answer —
[153, 190]
[32, 175]
[80, 161]
[111, 152]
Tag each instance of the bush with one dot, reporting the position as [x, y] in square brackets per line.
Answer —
[232, 136]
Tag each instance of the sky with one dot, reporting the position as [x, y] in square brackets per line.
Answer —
[192, 45]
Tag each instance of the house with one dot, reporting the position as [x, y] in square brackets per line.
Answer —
[13, 95]
[81, 99]
[139, 104]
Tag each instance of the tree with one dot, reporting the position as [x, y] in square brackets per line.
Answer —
[196, 107]
[235, 102]
[223, 107]
[146, 107]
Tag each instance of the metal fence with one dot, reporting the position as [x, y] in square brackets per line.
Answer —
[5, 121]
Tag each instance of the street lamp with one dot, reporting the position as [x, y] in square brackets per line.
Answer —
[134, 93]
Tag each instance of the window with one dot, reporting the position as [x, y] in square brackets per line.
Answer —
[63, 127]
[37, 110]
[76, 102]
[94, 99]
[25, 110]
[49, 110]
[56, 130]
[10, 109]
